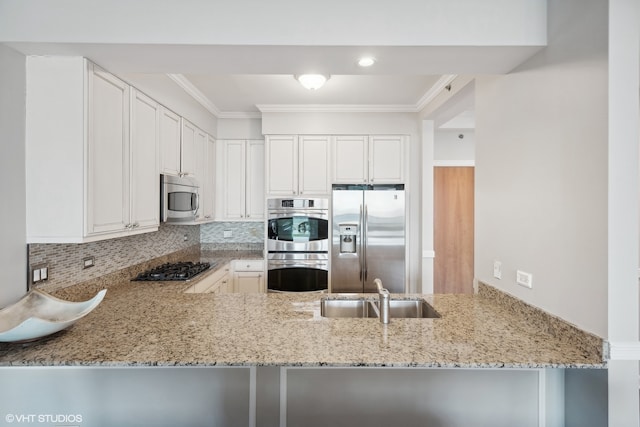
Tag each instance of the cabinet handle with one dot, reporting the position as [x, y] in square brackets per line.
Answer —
[248, 216]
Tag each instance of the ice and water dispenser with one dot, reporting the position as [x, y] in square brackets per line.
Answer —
[348, 238]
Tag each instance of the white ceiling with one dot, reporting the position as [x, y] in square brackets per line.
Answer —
[238, 79]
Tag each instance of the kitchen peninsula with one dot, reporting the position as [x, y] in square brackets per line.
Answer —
[153, 336]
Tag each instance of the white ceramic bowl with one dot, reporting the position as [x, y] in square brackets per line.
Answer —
[39, 314]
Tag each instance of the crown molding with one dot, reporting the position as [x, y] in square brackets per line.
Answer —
[240, 115]
[435, 90]
[195, 93]
[335, 108]
[202, 99]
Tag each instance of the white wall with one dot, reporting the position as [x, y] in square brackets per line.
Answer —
[448, 146]
[13, 247]
[368, 124]
[240, 129]
[541, 170]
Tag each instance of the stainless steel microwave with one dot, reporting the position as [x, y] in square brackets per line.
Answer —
[179, 199]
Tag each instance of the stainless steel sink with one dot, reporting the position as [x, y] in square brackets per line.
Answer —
[362, 308]
[347, 308]
[412, 309]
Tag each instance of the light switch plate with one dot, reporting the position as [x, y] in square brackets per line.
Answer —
[227, 233]
[497, 269]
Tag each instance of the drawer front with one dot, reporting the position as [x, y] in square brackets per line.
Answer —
[248, 265]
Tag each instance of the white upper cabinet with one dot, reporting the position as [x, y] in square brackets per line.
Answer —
[107, 153]
[297, 165]
[375, 159]
[314, 161]
[209, 181]
[170, 124]
[145, 139]
[255, 202]
[386, 159]
[281, 164]
[188, 147]
[91, 153]
[350, 159]
[241, 174]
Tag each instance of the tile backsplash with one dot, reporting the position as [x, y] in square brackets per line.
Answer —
[240, 232]
[65, 260]
[66, 265]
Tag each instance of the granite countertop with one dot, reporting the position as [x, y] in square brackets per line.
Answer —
[157, 324]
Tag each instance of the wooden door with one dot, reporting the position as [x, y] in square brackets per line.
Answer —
[453, 229]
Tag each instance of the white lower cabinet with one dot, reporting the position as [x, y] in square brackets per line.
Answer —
[218, 282]
[99, 138]
[248, 276]
[238, 276]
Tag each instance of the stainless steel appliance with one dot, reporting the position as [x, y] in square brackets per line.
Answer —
[179, 199]
[368, 237]
[173, 271]
[298, 245]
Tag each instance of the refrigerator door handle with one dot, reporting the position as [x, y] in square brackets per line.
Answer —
[365, 240]
[360, 254]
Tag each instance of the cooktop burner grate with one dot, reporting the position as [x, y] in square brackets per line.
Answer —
[173, 271]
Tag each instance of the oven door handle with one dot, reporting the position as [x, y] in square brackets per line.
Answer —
[306, 214]
[320, 265]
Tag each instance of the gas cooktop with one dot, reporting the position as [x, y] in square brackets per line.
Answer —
[173, 271]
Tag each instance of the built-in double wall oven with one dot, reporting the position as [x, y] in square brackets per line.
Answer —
[298, 245]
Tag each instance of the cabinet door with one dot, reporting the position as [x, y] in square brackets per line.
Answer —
[199, 172]
[108, 153]
[350, 159]
[313, 170]
[282, 165]
[145, 185]
[169, 142]
[188, 146]
[249, 282]
[208, 186]
[255, 180]
[234, 179]
[387, 159]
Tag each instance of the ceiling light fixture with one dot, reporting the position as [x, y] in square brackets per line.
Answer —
[366, 61]
[312, 81]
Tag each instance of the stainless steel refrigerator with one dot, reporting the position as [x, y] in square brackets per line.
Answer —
[368, 237]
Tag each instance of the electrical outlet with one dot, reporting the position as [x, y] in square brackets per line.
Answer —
[497, 269]
[228, 233]
[88, 262]
[524, 279]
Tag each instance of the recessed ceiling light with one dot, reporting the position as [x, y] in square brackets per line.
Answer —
[366, 61]
[312, 81]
